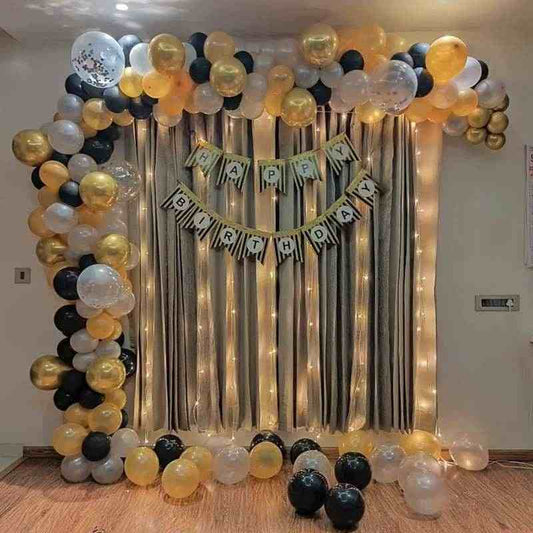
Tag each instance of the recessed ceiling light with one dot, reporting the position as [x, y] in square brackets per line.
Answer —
[121, 7]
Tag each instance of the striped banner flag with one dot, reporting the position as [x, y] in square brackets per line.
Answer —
[229, 237]
[272, 173]
[321, 233]
[304, 167]
[205, 155]
[233, 168]
[289, 245]
[339, 151]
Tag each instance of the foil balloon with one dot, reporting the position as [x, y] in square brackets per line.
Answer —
[46, 372]
[31, 147]
[106, 374]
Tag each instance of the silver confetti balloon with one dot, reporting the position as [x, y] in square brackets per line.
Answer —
[75, 468]
[108, 470]
[127, 177]
[231, 465]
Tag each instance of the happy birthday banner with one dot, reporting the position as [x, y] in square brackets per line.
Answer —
[241, 241]
[272, 172]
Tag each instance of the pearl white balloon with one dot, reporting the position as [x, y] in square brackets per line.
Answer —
[66, 137]
[75, 468]
[86, 311]
[207, 100]
[255, 88]
[353, 88]
[114, 226]
[316, 461]
[444, 96]
[128, 179]
[305, 75]
[60, 218]
[393, 86]
[124, 306]
[82, 238]
[455, 126]
[82, 361]
[231, 465]
[418, 461]
[425, 493]
[332, 75]
[82, 342]
[470, 74]
[123, 441]
[490, 93]
[263, 62]
[134, 257]
[251, 109]
[108, 349]
[190, 55]
[70, 107]
[468, 453]
[79, 165]
[99, 286]
[286, 52]
[140, 59]
[385, 461]
[108, 470]
[337, 104]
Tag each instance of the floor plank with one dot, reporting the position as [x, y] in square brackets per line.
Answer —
[35, 499]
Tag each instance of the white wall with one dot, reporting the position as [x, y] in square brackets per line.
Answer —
[485, 365]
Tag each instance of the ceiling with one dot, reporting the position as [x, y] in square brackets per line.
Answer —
[37, 21]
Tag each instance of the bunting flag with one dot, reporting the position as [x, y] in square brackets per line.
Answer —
[304, 167]
[343, 212]
[255, 245]
[228, 236]
[364, 188]
[205, 155]
[288, 244]
[339, 151]
[320, 232]
[272, 174]
[234, 168]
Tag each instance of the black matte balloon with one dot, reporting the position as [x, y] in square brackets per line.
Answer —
[418, 52]
[484, 70]
[68, 321]
[139, 109]
[232, 102]
[354, 468]
[100, 150]
[36, 179]
[121, 339]
[125, 419]
[96, 446]
[301, 446]
[63, 399]
[168, 448]
[307, 491]
[65, 351]
[61, 158]
[148, 100]
[268, 436]
[199, 70]
[115, 100]
[198, 40]
[127, 42]
[425, 82]
[246, 59]
[73, 382]
[404, 57]
[129, 359]
[89, 398]
[352, 60]
[65, 283]
[91, 91]
[86, 261]
[345, 506]
[321, 93]
[73, 85]
[69, 193]
[111, 133]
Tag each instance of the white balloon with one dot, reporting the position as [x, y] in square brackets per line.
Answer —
[140, 59]
[305, 75]
[425, 493]
[455, 126]
[128, 179]
[113, 226]
[81, 361]
[124, 306]
[286, 52]
[82, 238]
[190, 55]
[82, 342]
[263, 62]
[99, 286]
[314, 460]
[134, 257]
[231, 465]
[70, 107]
[86, 311]
[337, 104]
[123, 441]
[108, 470]
[490, 93]
[418, 461]
[66, 137]
[79, 165]
[468, 453]
[470, 74]
[207, 99]
[108, 349]
[353, 88]
[444, 96]
[385, 461]
[60, 218]
[332, 75]
[393, 86]
[255, 88]
[252, 109]
[75, 468]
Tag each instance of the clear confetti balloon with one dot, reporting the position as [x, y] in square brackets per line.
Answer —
[97, 59]
[140, 59]
[455, 126]
[231, 465]
[75, 468]
[469, 453]
[70, 107]
[314, 460]
[108, 470]
[60, 218]
[418, 461]
[82, 361]
[385, 461]
[425, 493]
[99, 286]
[124, 306]
[393, 86]
[124, 440]
[82, 238]
[66, 137]
[127, 177]
[79, 165]
[353, 88]
[305, 75]
[331, 75]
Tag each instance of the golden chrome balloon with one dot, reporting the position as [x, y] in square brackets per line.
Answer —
[50, 250]
[125, 118]
[31, 147]
[112, 250]
[357, 441]
[495, 141]
[47, 197]
[418, 110]
[266, 460]
[156, 84]
[106, 417]
[479, 118]
[228, 76]
[202, 458]
[167, 53]
[476, 135]
[131, 83]
[498, 122]
[319, 44]
[421, 441]
[106, 374]
[298, 108]
[280, 79]
[76, 414]
[218, 45]
[100, 326]
[98, 190]
[141, 466]
[37, 225]
[117, 397]
[53, 174]
[96, 114]
[47, 371]
[504, 105]
[466, 103]
[369, 114]
[180, 478]
[446, 58]
[68, 438]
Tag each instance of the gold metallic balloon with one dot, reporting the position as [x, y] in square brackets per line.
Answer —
[446, 58]
[202, 458]
[167, 53]
[495, 141]
[298, 108]
[266, 460]
[31, 147]
[498, 122]
[319, 44]
[141, 466]
[117, 397]
[369, 114]
[476, 135]
[421, 441]
[357, 441]
[37, 225]
[273, 103]
[47, 371]
[280, 79]
[53, 174]
[100, 326]
[96, 114]
[479, 118]
[106, 374]
[50, 250]
[68, 438]
[112, 250]
[418, 110]
[180, 478]
[131, 83]
[47, 197]
[156, 84]
[466, 103]
[106, 417]
[98, 190]
[123, 119]
[228, 76]
[504, 105]
[218, 45]
[76, 414]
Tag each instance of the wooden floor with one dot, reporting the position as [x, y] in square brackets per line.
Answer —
[34, 498]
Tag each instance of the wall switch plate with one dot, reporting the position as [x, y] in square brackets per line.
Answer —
[500, 302]
[22, 275]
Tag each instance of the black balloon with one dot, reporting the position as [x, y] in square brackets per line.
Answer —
[96, 445]
[127, 42]
[91, 91]
[168, 448]
[268, 436]
[61, 158]
[73, 382]
[301, 446]
[121, 339]
[139, 109]
[232, 102]
[86, 261]
[199, 70]
[404, 57]
[111, 133]
[418, 52]
[115, 100]
[351, 60]
[125, 419]
[36, 179]
[246, 59]
[307, 491]
[354, 468]
[425, 82]
[197, 40]
[345, 506]
[65, 351]
[63, 399]
[65, 283]
[99, 149]
[129, 359]
[89, 398]
[148, 100]
[69, 193]
[68, 321]
[484, 70]
[73, 85]
[321, 93]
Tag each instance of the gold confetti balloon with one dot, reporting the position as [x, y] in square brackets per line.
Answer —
[266, 460]
[357, 441]
[31, 147]
[498, 122]
[218, 45]
[68, 438]
[319, 44]
[106, 374]
[421, 441]
[167, 53]
[202, 458]
[96, 115]
[495, 141]
[76, 414]
[228, 76]
[479, 118]
[106, 417]
[180, 478]
[476, 135]
[98, 190]
[298, 108]
[141, 466]
[46, 372]
[50, 250]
